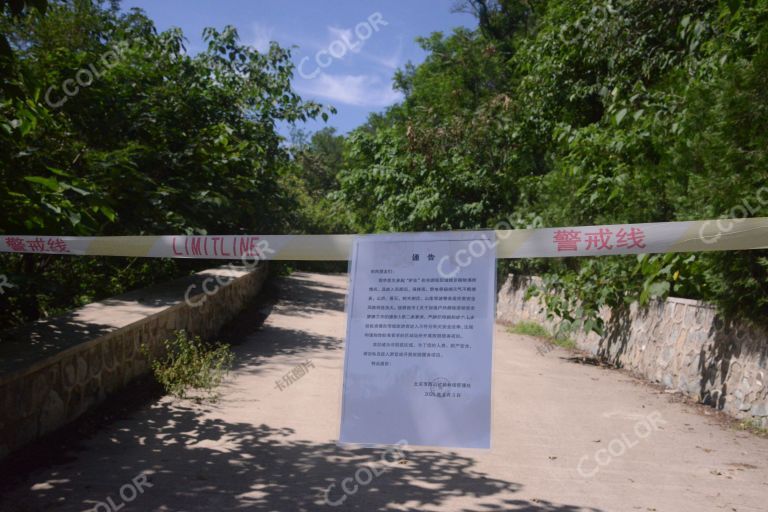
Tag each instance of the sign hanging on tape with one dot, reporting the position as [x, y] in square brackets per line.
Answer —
[419, 344]
[603, 240]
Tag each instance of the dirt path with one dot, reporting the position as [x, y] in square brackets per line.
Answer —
[566, 437]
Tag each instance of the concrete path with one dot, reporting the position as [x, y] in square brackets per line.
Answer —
[567, 437]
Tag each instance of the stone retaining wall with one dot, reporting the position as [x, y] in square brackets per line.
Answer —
[682, 344]
[52, 371]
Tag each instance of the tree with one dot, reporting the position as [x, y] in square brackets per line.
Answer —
[321, 160]
[576, 113]
[119, 131]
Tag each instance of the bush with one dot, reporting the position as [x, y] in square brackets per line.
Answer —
[191, 364]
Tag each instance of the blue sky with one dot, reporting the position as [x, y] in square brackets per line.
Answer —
[348, 50]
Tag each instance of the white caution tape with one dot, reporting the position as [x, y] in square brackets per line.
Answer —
[616, 239]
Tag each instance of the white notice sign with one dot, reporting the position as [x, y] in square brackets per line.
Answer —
[418, 352]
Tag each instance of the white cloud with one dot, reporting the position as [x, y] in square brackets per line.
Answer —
[262, 35]
[357, 90]
[355, 45]
[351, 42]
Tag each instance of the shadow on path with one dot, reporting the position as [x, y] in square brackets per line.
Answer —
[301, 296]
[197, 463]
[278, 341]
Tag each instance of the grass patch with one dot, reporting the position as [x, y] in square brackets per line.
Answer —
[539, 331]
[752, 425]
[190, 364]
[564, 342]
[529, 329]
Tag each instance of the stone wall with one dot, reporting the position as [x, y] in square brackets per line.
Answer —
[54, 370]
[679, 343]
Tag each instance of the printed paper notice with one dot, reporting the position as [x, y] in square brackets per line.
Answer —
[419, 342]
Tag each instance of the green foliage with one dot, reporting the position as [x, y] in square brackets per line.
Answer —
[579, 113]
[159, 142]
[319, 160]
[317, 163]
[16, 10]
[189, 364]
[575, 298]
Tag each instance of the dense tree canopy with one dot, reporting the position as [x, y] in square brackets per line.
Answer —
[558, 113]
[116, 130]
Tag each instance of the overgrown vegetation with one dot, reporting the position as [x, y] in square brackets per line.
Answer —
[529, 329]
[575, 112]
[160, 141]
[190, 365]
[753, 425]
[537, 330]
